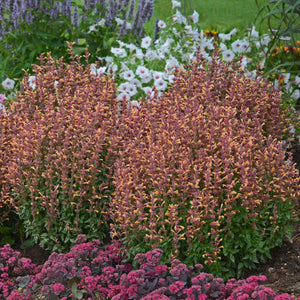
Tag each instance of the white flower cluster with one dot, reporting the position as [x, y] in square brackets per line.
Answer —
[139, 70]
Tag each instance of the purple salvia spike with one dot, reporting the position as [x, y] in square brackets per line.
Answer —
[123, 27]
[63, 8]
[75, 21]
[112, 10]
[15, 10]
[69, 9]
[156, 31]
[136, 21]
[92, 4]
[11, 5]
[23, 6]
[55, 11]
[28, 17]
[131, 9]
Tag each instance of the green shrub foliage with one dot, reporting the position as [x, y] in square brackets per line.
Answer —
[58, 167]
[201, 173]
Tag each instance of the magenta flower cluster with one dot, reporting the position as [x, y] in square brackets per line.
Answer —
[97, 272]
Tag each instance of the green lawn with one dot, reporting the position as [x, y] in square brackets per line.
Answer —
[220, 15]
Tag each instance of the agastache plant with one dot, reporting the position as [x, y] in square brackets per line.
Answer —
[203, 172]
[66, 119]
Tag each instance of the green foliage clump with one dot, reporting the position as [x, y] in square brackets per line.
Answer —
[283, 52]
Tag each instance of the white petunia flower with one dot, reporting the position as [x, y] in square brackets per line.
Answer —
[244, 62]
[31, 81]
[285, 38]
[127, 75]
[2, 107]
[8, 84]
[146, 42]
[233, 31]
[179, 18]
[109, 59]
[160, 84]
[228, 55]
[92, 28]
[124, 67]
[101, 23]
[210, 44]
[171, 78]
[223, 47]
[188, 30]
[237, 46]
[161, 53]
[195, 17]
[265, 40]
[123, 87]
[149, 92]
[171, 64]
[175, 4]
[251, 74]
[101, 71]
[119, 21]
[151, 55]
[122, 44]
[246, 46]
[123, 96]
[112, 69]
[286, 77]
[297, 80]
[131, 47]
[296, 94]
[186, 57]
[161, 24]
[158, 75]
[128, 25]
[142, 71]
[139, 54]
[225, 37]
[131, 89]
[253, 33]
[147, 78]
[136, 82]
[119, 52]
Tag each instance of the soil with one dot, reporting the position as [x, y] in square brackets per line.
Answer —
[282, 271]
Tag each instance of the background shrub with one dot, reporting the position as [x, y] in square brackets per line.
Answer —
[29, 28]
[58, 167]
[202, 175]
[283, 52]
